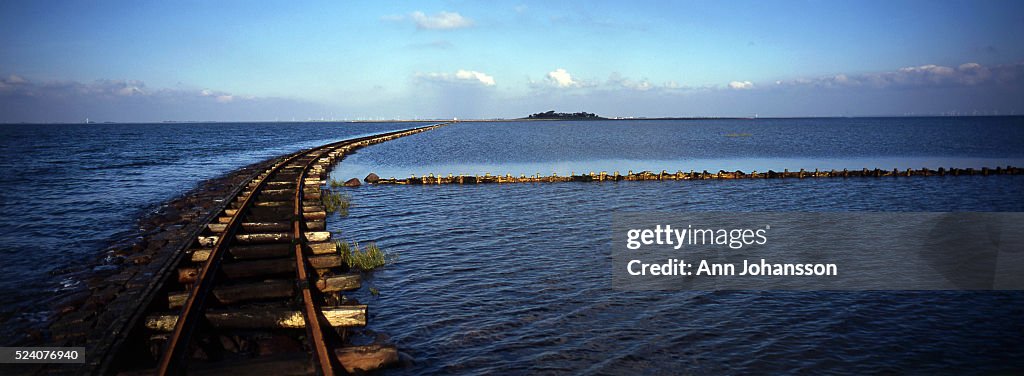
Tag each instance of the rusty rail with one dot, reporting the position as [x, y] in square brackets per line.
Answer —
[320, 352]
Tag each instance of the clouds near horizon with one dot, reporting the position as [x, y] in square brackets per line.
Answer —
[24, 100]
[920, 89]
[967, 74]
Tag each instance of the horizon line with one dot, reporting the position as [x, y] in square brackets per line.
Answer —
[456, 119]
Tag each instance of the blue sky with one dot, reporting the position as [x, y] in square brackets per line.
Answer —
[223, 60]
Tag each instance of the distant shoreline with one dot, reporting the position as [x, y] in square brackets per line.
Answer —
[522, 119]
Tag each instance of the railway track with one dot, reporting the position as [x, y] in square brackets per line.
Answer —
[258, 291]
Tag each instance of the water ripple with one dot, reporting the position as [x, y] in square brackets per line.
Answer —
[68, 189]
[516, 280]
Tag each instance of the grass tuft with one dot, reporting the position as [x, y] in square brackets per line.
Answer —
[366, 258]
[335, 202]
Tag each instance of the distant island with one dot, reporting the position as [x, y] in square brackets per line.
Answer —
[565, 116]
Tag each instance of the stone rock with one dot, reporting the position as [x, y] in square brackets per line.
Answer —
[372, 178]
[352, 182]
[228, 344]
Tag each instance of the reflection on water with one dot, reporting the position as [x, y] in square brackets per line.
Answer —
[529, 148]
[517, 278]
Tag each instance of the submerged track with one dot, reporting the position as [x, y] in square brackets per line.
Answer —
[257, 291]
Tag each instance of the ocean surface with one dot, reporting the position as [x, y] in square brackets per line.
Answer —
[516, 278]
[68, 190]
[583, 146]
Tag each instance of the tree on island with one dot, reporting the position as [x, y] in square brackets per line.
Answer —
[564, 115]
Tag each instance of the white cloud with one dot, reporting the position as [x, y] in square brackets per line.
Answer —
[616, 81]
[641, 85]
[219, 97]
[974, 73]
[929, 69]
[474, 75]
[11, 82]
[460, 76]
[741, 85]
[440, 21]
[561, 78]
[123, 88]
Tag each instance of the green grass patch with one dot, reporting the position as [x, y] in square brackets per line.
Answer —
[335, 202]
[336, 183]
[364, 258]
